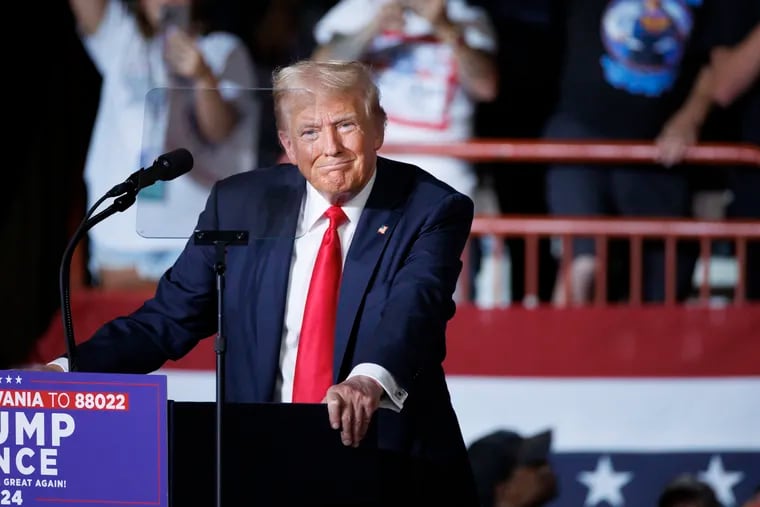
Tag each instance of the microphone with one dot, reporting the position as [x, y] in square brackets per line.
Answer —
[166, 167]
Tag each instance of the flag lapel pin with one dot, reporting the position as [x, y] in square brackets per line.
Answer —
[382, 229]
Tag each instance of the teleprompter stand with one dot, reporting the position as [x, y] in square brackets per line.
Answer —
[220, 240]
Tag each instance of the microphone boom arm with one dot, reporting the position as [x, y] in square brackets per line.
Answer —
[166, 167]
[64, 273]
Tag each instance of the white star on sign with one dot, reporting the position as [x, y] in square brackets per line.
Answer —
[721, 481]
[604, 484]
[18, 379]
[8, 379]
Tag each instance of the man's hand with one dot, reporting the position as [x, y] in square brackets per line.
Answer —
[350, 406]
[682, 129]
[676, 136]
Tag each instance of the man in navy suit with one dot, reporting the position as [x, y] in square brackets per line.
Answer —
[401, 248]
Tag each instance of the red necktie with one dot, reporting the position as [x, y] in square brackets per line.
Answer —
[314, 360]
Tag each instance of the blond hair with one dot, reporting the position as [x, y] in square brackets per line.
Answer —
[337, 77]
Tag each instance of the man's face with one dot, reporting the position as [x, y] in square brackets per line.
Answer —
[332, 141]
[531, 485]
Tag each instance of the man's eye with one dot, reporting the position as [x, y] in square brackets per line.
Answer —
[309, 133]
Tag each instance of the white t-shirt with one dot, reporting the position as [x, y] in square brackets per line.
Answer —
[144, 112]
[418, 79]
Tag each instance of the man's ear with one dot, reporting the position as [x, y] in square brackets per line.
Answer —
[379, 138]
[287, 145]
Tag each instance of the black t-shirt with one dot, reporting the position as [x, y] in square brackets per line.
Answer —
[751, 115]
[731, 22]
[629, 64]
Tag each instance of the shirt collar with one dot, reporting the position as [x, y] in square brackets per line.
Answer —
[315, 204]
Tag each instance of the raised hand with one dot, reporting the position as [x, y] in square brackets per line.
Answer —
[184, 58]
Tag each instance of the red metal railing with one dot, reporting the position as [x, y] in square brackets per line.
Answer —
[602, 230]
[600, 152]
[530, 333]
[532, 229]
[570, 151]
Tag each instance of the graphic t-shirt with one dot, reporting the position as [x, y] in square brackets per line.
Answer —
[415, 72]
[628, 63]
[417, 75]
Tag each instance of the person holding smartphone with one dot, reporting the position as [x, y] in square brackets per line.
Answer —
[166, 83]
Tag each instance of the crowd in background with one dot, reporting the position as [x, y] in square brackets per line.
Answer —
[667, 72]
[451, 71]
[514, 470]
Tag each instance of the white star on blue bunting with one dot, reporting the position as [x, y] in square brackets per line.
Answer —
[604, 484]
[721, 480]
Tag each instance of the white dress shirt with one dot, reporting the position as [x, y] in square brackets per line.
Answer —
[311, 227]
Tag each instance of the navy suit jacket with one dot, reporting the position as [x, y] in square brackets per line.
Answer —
[395, 297]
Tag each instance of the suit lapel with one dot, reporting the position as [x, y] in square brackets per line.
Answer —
[273, 254]
[372, 234]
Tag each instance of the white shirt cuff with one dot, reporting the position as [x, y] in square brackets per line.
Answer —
[395, 395]
[63, 362]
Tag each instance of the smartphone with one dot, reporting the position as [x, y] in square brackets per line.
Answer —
[177, 16]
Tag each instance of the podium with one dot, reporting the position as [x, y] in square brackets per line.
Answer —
[108, 439]
[287, 455]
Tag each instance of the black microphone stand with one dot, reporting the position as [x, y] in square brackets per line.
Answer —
[64, 281]
[166, 167]
[220, 240]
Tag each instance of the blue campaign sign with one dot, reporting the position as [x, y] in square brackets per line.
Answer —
[82, 439]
